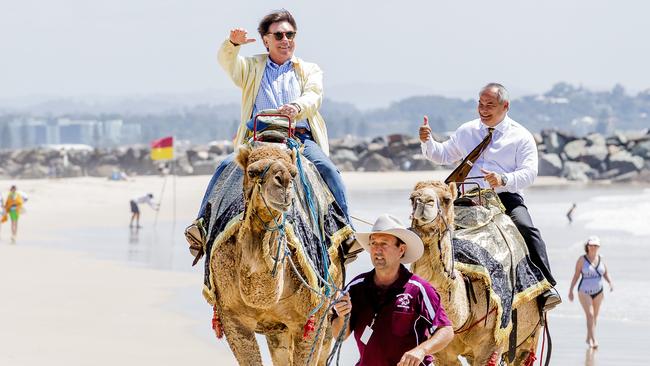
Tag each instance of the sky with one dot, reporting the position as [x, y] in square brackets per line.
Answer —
[74, 48]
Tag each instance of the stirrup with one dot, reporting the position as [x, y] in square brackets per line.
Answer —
[195, 236]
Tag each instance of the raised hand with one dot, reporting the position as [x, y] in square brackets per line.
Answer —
[425, 130]
[239, 36]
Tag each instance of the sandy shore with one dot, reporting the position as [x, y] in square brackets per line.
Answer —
[62, 307]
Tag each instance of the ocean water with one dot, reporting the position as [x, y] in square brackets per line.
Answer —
[619, 214]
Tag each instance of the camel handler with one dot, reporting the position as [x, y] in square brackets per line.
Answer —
[396, 316]
[498, 153]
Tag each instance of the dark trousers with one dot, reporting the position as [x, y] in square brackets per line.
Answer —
[518, 212]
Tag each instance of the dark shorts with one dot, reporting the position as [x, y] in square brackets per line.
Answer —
[134, 207]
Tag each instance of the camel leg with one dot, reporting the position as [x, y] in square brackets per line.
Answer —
[447, 359]
[490, 357]
[326, 346]
[241, 339]
[302, 347]
[525, 349]
[280, 346]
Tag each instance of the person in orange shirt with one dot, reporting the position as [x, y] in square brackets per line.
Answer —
[12, 207]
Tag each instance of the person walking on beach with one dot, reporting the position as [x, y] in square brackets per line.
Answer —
[135, 209]
[506, 162]
[396, 316]
[591, 270]
[569, 215]
[12, 209]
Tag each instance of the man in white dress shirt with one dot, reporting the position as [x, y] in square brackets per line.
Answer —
[508, 164]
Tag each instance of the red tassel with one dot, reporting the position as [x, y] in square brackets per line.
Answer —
[309, 327]
[530, 361]
[493, 361]
[216, 324]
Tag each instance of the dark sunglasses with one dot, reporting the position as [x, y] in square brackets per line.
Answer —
[280, 35]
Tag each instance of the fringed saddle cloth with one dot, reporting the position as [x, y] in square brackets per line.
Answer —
[488, 246]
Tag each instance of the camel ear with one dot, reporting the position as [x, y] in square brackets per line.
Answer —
[293, 171]
[241, 156]
[255, 169]
[294, 160]
[453, 190]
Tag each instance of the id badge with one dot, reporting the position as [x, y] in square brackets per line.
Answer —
[365, 337]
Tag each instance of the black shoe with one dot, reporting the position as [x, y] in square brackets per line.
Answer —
[351, 249]
[550, 299]
[195, 235]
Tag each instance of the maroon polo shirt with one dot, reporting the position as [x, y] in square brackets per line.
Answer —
[405, 314]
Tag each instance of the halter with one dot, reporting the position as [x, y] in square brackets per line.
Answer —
[451, 274]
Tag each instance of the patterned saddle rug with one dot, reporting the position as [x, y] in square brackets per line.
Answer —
[488, 246]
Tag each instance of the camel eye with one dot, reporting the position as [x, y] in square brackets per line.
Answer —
[278, 180]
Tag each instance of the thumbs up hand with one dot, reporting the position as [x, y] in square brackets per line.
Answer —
[425, 130]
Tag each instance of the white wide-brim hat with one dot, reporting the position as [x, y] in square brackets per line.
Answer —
[389, 224]
[593, 240]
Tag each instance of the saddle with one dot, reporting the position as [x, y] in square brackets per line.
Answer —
[270, 126]
[488, 246]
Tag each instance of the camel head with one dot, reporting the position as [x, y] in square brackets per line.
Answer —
[273, 168]
[430, 200]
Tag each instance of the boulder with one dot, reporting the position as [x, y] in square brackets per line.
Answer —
[574, 170]
[641, 149]
[420, 162]
[626, 177]
[550, 165]
[375, 162]
[33, 171]
[344, 155]
[574, 149]
[595, 139]
[555, 140]
[204, 167]
[625, 162]
[595, 156]
[346, 166]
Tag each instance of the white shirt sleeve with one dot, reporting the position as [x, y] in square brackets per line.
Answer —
[443, 153]
[526, 171]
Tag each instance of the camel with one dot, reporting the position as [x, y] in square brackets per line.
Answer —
[254, 292]
[474, 324]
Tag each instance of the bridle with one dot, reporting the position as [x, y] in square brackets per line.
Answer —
[417, 204]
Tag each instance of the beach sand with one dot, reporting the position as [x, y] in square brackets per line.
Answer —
[63, 301]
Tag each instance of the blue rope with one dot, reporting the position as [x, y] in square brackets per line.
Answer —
[312, 211]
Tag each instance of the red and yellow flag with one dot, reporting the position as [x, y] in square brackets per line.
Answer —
[162, 149]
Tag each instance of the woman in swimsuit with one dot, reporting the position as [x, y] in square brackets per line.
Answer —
[591, 270]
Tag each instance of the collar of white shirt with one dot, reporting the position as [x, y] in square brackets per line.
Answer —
[500, 127]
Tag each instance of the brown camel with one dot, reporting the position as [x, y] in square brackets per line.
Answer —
[474, 325]
[256, 294]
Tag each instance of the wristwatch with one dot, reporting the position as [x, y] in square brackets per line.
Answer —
[504, 179]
